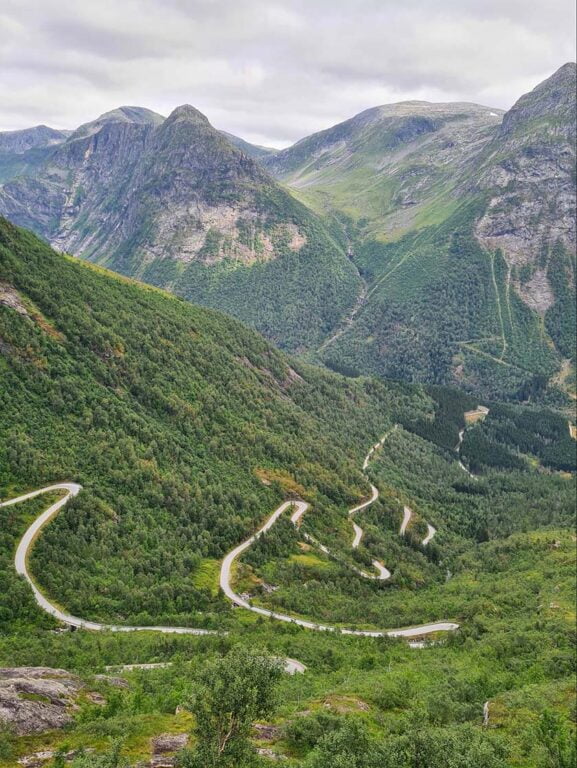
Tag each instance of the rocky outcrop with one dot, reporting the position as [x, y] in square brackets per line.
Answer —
[164, 748]
[169, 742]
[37, 699]
[528, 174]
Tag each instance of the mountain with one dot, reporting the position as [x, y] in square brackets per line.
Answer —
[173, 202]
[25, 151]
[529, 173]
[252, 150]
[422, 242]
[30, 138]
[186, 430]
[461, 222]
[389, 167]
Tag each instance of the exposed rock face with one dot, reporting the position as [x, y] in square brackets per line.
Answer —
[172, 202]
[9, 298]
[37, 699]
[18, 142]
[132, 180]
[529, 174]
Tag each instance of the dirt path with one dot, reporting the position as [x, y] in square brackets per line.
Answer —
[350, 318]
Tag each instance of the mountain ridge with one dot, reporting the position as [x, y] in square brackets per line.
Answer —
[173, 202]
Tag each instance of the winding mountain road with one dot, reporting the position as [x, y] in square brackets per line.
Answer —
[21, 565]
[431, 531]
[407, 514]
[300, 507]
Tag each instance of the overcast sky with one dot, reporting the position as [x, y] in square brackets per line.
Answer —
[271, 71]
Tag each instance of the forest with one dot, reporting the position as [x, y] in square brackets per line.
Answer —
[186, 430]
[439, 309]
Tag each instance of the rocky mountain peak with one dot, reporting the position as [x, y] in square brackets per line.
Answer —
[553, 98]
[134, 115]
[186, 112]
[29, 138]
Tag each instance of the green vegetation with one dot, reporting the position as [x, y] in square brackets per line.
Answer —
[230, 695]
[186, 430]
[170, 417]
[510, 433]
[295, 299]
[439, 310]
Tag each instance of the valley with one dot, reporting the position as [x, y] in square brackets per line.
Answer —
[415, 241]
[287, 436]
[428, 576]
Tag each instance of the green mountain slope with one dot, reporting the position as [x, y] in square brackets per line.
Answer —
[391, 168]
[171, 417]
[174, 203]
[186, 429]
[462, 227]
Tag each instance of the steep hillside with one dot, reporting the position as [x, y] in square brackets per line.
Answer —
[529, 173]
[186, 430]
[467, 258]
[174, 203]
[390, 168]
[172, 417]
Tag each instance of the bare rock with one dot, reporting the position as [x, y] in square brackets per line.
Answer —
[169, 742]
[266, 732]
[37, 699]
[161, 761]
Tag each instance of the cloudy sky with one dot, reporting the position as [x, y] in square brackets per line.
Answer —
[271, 71]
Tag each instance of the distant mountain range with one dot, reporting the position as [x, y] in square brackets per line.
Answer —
[420, 241]
[174, 203]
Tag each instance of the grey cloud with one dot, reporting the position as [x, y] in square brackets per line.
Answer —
[270, 71]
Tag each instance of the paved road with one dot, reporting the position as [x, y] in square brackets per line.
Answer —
[300, 507]
[358, 535]
[407, 514]
[21, 564]
[431, 531]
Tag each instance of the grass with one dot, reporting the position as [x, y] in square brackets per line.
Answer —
[207, 575]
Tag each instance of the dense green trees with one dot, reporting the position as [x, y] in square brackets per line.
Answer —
[440, 309]
[186, 430]
[171, 417]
